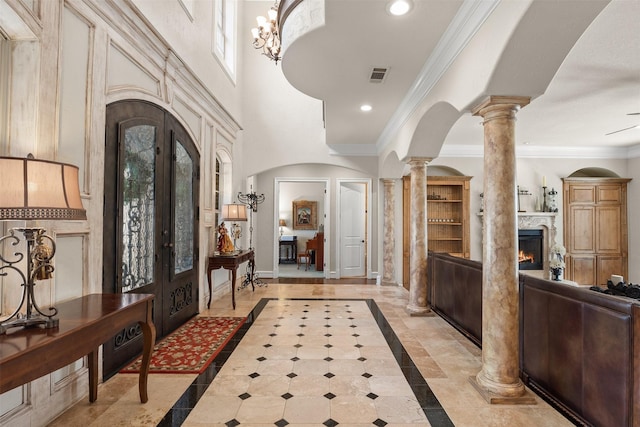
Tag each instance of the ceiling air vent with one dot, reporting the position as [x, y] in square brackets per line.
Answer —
[378, 75]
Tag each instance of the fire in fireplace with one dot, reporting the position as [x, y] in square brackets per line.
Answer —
[530, 251]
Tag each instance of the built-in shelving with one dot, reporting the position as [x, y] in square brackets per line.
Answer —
[447, 215]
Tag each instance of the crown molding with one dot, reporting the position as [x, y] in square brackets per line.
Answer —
[522, 151]
[352, 150]
[547, 152]
[470, 17]
[634, 151]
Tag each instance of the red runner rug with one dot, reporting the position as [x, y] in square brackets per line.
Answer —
[191, 347]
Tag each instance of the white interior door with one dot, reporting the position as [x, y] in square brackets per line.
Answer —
[353, 220]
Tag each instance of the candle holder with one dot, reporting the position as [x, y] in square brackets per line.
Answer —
[552, 206]
[544, 198]
[522, 193]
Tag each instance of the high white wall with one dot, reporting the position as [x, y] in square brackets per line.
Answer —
[190, 35]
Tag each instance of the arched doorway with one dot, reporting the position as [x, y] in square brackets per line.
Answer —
[151, 219]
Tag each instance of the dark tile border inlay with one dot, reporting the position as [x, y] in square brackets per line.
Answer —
[430, 405]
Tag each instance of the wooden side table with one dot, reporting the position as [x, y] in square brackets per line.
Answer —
[84, 324]
[229, 262]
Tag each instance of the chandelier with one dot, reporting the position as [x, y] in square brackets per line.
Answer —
[266, 36]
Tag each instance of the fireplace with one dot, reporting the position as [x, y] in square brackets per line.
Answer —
[530, 250]
[536, 235]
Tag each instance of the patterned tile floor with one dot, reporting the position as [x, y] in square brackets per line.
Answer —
[298, 376]
[322, 362]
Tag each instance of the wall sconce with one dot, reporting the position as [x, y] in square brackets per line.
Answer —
[282, 223]
[35, 190]
[234, 212]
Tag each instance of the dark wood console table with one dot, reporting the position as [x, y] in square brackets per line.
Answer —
[290, 250]
[85, 323]
[229, 262]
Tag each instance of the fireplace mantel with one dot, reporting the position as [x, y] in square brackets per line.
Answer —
[545, 221]
[537, 219]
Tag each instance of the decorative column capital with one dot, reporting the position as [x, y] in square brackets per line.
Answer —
[493, 107]
[418, 161]
[388, 182]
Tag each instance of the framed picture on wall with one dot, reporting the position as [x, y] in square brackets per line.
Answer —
[305, 215]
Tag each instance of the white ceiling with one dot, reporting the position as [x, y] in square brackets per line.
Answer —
[592, 93]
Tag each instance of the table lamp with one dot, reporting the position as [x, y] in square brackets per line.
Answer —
[234, 212]
[34, 190]
[282, 223]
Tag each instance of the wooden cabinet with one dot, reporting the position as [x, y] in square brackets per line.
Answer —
[447, 217]
[595, 229]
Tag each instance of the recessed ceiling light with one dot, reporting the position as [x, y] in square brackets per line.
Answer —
[365, 107]
[399, 7]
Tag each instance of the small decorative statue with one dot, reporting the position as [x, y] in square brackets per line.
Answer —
[556, 262]
[236, 233]
[225, 245]
[41, 257]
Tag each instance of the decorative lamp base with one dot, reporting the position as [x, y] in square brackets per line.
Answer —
[38, 256]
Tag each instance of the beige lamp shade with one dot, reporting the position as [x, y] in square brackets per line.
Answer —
[283, 223]
[39, 189]
[234, 212]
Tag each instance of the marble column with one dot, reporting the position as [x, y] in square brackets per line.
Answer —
[388, 244]
[498, 381]
[418, 226]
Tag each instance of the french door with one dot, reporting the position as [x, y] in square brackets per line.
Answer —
[151, 220]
